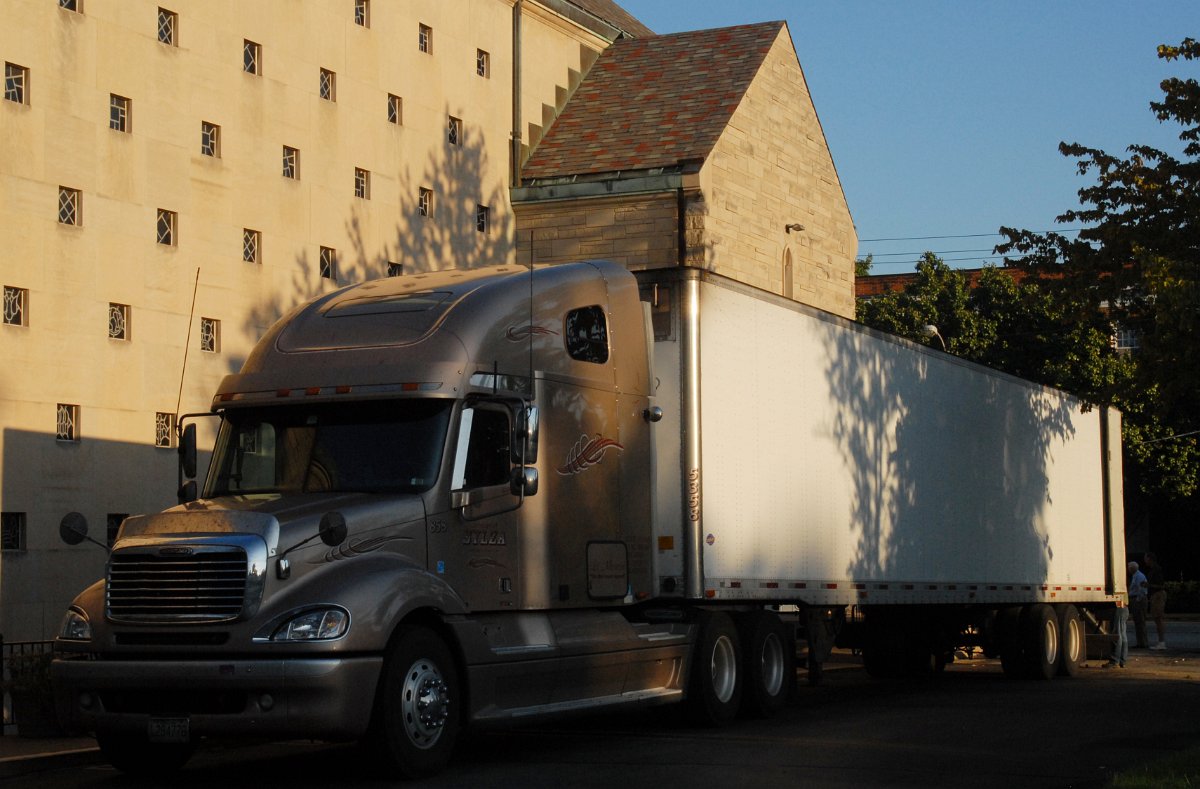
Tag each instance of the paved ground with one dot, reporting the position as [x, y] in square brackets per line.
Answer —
[969, 727]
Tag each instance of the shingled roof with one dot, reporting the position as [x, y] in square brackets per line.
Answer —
[610, 13]
[653, 102]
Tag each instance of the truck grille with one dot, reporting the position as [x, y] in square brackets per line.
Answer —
[199, 584]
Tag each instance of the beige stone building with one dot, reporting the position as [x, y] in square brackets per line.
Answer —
[176, 177]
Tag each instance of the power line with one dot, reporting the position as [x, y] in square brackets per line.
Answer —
[967, 235]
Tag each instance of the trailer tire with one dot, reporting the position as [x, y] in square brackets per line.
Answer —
[1040, 641]
[715, 684]
[418, 703]
[769, 663]
[135, 755]
[1072, 641]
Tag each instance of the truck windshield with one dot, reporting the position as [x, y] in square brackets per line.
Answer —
[392, 446]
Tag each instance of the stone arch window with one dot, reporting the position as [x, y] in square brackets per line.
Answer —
[787, 273]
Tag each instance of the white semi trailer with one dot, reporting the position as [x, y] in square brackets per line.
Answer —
[477, 496]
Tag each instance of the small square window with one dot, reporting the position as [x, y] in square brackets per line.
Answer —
[395, 111]
[168, 22]
[118, 321]
[482, 213]
[166, 227]
[454, 131]
[112, 526]
[329, 263]
[425, 39]
[16, 302]
[251, 245]
[483, 63]
[291, 162]
[16, 83]
[425, 202]
[164, 430]
[362, 183]
[210, 335]
[12, 531]
[68, 422]
[328, 86]
[70, 206]
[586, 333]
[119, 109]
[362, 13]
[251, 57]
[69, 5]
[210, 139]
[395, 269]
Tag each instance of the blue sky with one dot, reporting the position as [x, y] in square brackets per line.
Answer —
[944, 117]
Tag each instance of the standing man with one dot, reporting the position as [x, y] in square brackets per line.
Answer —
[1156, 583]
[1138, 598]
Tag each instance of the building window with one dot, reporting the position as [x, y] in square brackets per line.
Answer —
[251, 245]
[454, 131]
[166, 227]
[362, 183]
[70, 206]
[481, 218]
[68, 422]
[118, 321]
[362, 13]
[119, 109]
[16, 83]
[395, 269]
[12, 531]
[328, 85]
[291, 162]
[425, 39]
[1125, 340]
[164, 430]
[168, 22]
[395, 112]
[15, 301]
[328, 263]
[251, 57]
[210, 335]
[69, 5]
[425, 201]
[112, 526]
[210, 139]
[483, 63]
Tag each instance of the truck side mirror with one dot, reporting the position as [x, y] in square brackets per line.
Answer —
[525, 435]
[523, 482]
[187, 451]
[187, 492]
[72, 529]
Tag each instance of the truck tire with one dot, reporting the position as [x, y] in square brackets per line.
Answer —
[1072, 640]
[768, 661]
[715, 684]
[418, 704]
[1040, 641]
[135, 755]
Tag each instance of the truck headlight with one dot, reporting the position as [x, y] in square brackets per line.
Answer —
[75, 626]
[321, 624]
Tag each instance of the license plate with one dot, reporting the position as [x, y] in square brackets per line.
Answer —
[169, 730]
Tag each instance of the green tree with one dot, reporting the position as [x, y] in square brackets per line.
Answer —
[1137, 262]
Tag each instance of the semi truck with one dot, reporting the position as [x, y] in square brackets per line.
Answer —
[477, 496]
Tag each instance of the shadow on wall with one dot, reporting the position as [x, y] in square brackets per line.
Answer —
[448, 236]
[935, 447]
[45, 479]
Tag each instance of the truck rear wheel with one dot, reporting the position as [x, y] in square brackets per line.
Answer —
[715, 684]
[1040, 641]
[1073, 641]
[769, 661]
[418, 704]
[135, 755]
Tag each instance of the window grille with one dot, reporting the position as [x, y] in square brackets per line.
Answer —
[68, 422]
[210, 335]
[251, 57]
[164, 429]
[362, 183]
[167, 22]
[425, 39]
[483, 63]
[395, 269]
[454, 131]
[118, 113]
[69, 5]
[251, 245]
[291, 162]
[166, 227]
[69, 205]
[481, 218]
[16, 80]
[210, 139]
[362, 13]
[395, 109]
[329, 263]
[425, 201]
[12, 531]
[118, 321]
[14, 305]
[328, 85]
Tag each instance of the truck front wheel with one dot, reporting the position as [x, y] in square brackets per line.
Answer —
[715, 686]
[418, 705]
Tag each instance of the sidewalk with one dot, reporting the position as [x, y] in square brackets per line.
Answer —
[25, 755]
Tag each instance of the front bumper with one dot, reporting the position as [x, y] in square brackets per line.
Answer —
[317, 698]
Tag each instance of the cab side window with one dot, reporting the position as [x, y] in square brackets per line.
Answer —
[587, 334]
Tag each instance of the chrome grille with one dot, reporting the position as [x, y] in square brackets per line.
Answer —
[190, 584]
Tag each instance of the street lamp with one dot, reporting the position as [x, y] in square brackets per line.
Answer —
[929, 330]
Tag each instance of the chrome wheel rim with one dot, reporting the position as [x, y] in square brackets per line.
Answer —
[724, 669]
[424, 704]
